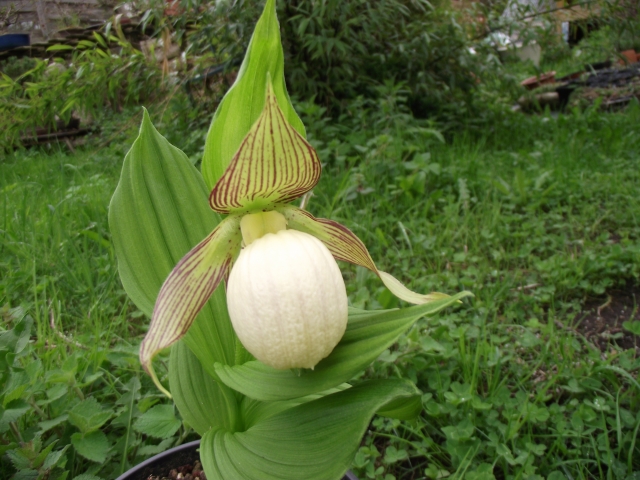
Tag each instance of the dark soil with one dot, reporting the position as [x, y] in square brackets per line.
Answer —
[183, 472]
[179, 463]
[600, 321]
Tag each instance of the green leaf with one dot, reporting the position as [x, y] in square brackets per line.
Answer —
[368, 335]
[42, 455]
[58, 47]
[15, 409]
[93, 446]
[484, 471]
[149, 450]
[28, 474]
[5, 448]
[202, 402]
[402, 408]
[255, 411]
[20, 458]
[557, 475]
[159, 422]
[632, 326]
[463, 431]
[15, 387]
[54, 457]
[393, 455]
[158, 213]
[14, 341]
[56, 392]
[243, 103]
[315, 440]
[88, 415]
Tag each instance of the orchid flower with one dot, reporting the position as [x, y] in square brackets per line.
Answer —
[285, 294]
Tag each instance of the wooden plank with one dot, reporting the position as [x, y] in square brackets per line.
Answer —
[32, 4]
[74, 2]
[568, 13]
[83, 16]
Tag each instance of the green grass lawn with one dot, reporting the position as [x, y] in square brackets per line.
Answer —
[537, 216]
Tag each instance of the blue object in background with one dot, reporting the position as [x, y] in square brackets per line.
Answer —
[13, 40]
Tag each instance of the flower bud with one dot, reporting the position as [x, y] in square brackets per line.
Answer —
[287, 300]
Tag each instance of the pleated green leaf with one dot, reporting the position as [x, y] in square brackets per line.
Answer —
[203, 403]
[313, 441]
[159, 212]
[243, 103]
[368, 335]
[254, 411]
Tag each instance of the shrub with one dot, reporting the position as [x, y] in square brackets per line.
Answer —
[93, 78]
[336, 51]
[341, 49]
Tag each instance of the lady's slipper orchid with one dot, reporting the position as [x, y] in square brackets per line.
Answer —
[286, 297]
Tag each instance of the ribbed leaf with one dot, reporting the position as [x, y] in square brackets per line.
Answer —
[188, 287]
[316, 440]
[254, 411]
[274, 164]
[368, 335]
[244, 102]
[158, 212]
[159, 421]
[202, 402]
[345, 245]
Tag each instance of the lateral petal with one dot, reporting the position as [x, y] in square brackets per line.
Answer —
[274, 164]
[187, 288]
[345, 245]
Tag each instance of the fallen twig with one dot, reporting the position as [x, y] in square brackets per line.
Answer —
[604, 305]
[526, 287]
[52, 324]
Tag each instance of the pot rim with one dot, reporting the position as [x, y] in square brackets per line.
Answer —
[180, 448]
[160, 456]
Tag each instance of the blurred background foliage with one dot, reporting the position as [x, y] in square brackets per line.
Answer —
[439, 52]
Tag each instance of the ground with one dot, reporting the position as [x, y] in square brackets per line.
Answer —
[601, 320]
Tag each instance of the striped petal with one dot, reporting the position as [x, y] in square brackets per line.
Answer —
[187, 289]
[274, 164]
[346, 246]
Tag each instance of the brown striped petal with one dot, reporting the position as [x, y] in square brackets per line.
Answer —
[187, 289]
[274, 164]
[345, 245]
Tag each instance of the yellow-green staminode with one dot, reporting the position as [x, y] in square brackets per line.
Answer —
[286, 297]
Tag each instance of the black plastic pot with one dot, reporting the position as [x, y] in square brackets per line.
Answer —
[181, 455]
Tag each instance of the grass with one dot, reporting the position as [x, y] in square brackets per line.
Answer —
[535, 215]
[535, 218]
[59, 274]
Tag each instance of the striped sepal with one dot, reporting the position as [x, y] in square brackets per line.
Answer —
[274, 164]
[341, 242]
[345, 245]
[187, 289]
